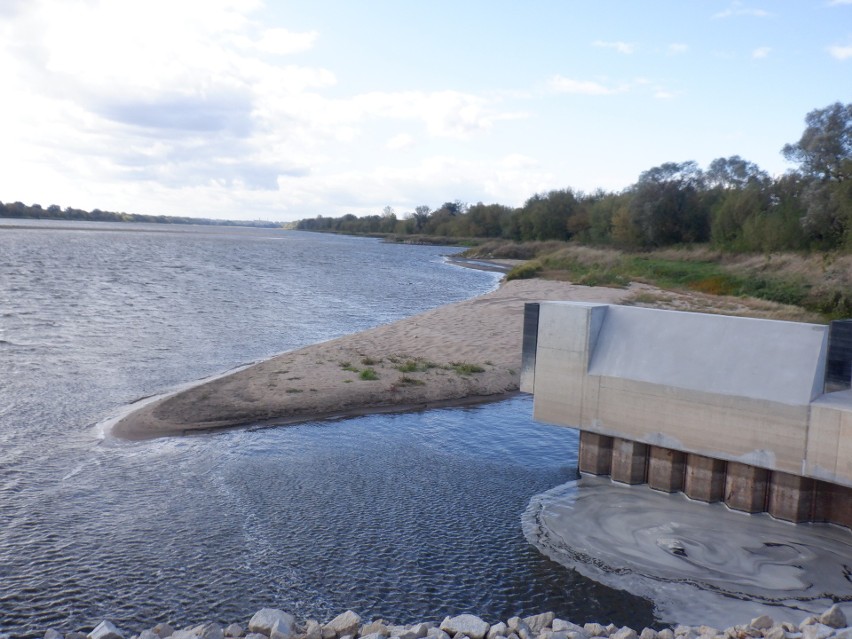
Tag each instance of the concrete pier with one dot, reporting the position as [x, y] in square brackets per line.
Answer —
[746, 487]
[755, 413]
[666, 469]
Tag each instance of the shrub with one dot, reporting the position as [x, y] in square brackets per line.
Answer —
[524, 271]
[369, 374]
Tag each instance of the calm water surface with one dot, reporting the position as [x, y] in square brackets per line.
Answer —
[403, 516]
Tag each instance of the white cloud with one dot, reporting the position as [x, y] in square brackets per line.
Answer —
[761, 52]
[835, 3]
[401, 141]
[677, 48]
[285, 42]
[737, 9]
[561, 84]
[663, 94]
[621, 47]
[841, 52]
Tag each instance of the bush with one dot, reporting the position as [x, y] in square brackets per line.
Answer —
[369, 374]
[524, 271]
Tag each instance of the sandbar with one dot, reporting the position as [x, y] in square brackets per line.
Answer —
[459, 353]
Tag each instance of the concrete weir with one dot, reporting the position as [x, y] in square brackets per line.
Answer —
[754, 413]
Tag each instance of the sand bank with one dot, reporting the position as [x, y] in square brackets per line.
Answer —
[427, 360]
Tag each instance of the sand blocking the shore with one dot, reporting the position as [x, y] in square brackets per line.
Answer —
[462, 352]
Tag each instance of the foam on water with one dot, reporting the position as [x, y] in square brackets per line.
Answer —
[699, 563]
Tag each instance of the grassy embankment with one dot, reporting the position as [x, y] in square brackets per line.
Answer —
[819, 283]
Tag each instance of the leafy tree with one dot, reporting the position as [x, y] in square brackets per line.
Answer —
[826, 143]
[734, 173]
[667, 207]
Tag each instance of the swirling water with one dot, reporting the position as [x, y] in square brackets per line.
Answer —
[700, 563]
[402, 516]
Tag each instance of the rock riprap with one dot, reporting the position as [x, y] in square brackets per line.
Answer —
[271, 623]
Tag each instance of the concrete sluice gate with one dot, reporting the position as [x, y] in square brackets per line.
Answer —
[753, 413]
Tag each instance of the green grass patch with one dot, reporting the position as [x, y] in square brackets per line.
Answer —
[369, 361]
[410, 381]
[368, 374]
[293, 390]
[525, 271]
[465, 368]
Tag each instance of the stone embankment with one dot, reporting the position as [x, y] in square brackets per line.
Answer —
[276, 624]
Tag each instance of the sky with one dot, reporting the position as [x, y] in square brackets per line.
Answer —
[281, 110]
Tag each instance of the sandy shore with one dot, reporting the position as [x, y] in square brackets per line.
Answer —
[427, 360]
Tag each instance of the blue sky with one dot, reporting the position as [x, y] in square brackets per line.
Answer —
[245, 109]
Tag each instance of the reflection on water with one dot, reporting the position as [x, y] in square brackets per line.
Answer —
[699, 563]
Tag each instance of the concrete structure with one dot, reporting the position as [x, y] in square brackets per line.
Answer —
[757, 413]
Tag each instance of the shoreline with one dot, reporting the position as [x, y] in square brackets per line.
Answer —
[272, 623]
[461, 353]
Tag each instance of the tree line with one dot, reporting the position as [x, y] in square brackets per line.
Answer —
[19, 210]
[732, 204]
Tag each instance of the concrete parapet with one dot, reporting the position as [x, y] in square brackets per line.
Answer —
[666, 469]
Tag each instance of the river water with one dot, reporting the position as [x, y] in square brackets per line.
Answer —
[401, 516]
[408, 517]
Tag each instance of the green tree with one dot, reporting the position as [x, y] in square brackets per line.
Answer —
[826, 143]
[667, 205]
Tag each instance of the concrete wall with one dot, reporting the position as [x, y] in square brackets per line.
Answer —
[735, 389]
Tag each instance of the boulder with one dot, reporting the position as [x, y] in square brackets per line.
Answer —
[375, 628]
[843, 633]
[313, 629]
[624, 633]
[468, 625]
[105, 630]
[346, 623]
[519, 627]
[763, 622]
[775, 632]
[208, 631]
[50, 633]
[560, 625]
[817, 631]
[594, 630]
[537, 623]
[417, 631]
[665, 633]
[281, 629]
[266, 619]
[163, 630]
[833, 617]
[437, 633]
[498, 630]
[234, 630]
[148, 634]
